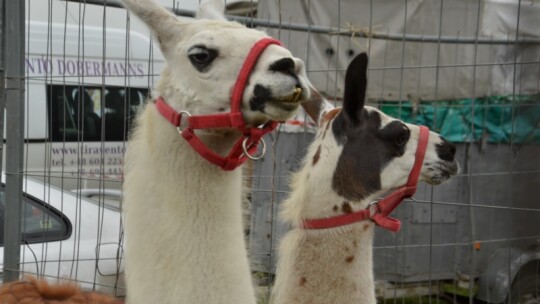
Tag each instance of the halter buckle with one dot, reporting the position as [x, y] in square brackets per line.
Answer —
[253, 157]
[181, 113]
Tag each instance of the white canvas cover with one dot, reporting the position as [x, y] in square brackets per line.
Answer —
[408, 71]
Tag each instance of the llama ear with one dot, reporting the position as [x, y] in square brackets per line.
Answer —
[212, 9]
[163, 23]
[316, 105]
[355, 87]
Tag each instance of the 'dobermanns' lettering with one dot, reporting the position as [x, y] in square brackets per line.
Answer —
[94, 68]
[72, 67]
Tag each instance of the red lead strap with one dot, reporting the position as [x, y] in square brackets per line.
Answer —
[246, 146]
[378, 211]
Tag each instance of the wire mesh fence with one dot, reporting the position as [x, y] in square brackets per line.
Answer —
[469, 70]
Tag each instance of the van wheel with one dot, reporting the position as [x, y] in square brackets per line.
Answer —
[525, 289]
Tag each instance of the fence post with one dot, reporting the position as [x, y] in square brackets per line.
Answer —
[13, 58]
[2, 89]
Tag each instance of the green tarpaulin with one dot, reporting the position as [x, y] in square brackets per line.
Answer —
[494, 119]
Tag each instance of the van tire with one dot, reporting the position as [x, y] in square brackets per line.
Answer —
[525, 287]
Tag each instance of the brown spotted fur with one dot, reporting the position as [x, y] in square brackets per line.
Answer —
[34, 291]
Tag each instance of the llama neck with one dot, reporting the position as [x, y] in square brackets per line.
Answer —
[326, 266]
[183, 221]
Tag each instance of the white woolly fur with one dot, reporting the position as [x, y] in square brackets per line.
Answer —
[184, 238]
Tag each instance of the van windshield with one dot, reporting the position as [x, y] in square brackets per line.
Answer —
[92, 113]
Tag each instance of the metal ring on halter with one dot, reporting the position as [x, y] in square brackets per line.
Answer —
[180, 114]
[254, 157]
[374, 210]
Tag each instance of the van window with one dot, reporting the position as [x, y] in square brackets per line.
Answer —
[86, 113]
[41, 223]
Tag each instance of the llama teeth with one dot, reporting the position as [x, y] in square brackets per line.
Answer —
[294, 97]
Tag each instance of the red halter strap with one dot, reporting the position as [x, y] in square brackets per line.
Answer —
[246, 146]
[378, 211]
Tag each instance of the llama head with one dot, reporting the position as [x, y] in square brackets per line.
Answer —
[204, 57]
[360, 153]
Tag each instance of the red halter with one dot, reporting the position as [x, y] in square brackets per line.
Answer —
[246, 146]
[378, 211]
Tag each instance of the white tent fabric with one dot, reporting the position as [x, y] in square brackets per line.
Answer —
[500, 20]
[411, 70]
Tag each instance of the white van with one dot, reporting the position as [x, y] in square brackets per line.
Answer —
[83, 91]
[84, 88]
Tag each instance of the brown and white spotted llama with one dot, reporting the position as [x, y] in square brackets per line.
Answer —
[358, 155]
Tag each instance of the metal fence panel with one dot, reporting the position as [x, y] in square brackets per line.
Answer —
[440, 63]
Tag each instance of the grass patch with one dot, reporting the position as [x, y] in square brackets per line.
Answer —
[415, 300]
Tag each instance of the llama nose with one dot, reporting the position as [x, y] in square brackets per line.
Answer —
[283, 65]
[446, 151]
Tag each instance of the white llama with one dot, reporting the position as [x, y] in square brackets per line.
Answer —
[359, 154]
[184, 239]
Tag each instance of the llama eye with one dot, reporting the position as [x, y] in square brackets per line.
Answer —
[401, 141]
[201, 57]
